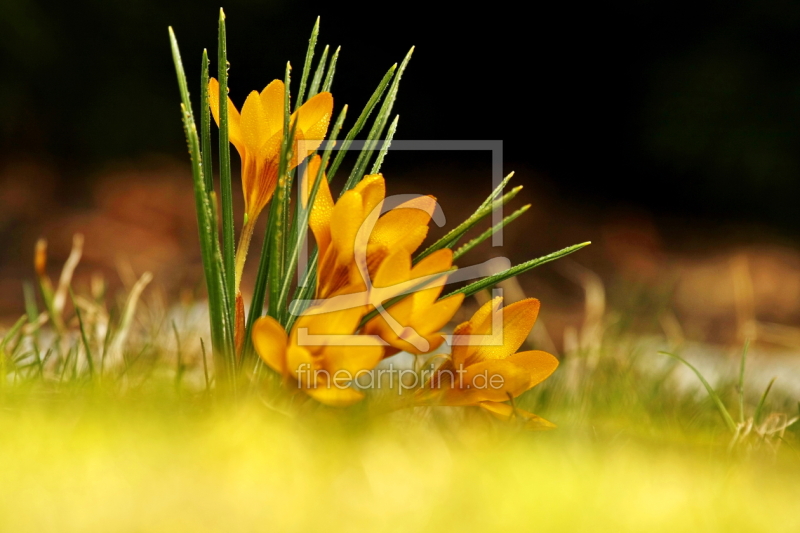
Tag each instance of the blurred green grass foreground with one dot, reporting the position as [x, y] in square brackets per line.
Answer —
[159, 463]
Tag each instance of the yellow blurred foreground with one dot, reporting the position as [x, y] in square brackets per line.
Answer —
[174, 466]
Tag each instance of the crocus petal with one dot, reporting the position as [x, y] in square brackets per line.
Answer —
[439, 261]
[335, 396]
[518, 320]
[538, 364]
[464, 344]
[300, 364]
[350, 360]
[393, 270]
[318, 323]
[405, 226]
[255, 128]
[372, 190]
[492, 380]
[272, 99]
[506, 412]
[436, 316]
[320, 217]
[313, 118]
[234, 119]
[270, 341]
[346, 220]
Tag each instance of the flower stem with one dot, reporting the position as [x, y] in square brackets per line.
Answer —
[241, 250]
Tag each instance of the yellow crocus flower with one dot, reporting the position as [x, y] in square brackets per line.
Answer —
[257, 134]
[418, 318]
[485, 368]
[352, 240]
[311, 358]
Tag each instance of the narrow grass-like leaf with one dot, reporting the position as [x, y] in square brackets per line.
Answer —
[13, 332]
[741, 380]
[205, 363]
[489, 281]
[326, 86]
[489, 232]
[726, 416]
[361, 120]
[84, 338]
[179, 367]
[453, 236]
[381, 119]
[219, 319]
[277, 232]
[320, 70]
[301, 222]
[226, 187]
[312, 44]
[305, 289]
[205, 125]
[762, 401]
[386, 144]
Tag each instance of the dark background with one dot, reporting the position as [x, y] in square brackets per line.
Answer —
[687, 109]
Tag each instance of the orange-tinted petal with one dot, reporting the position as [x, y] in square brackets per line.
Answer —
[255, 128]
[334, 396]
[372, 190]
[537, 363]
[394, 270]
[346, 219]
[492, 380]
[270, 342]
[517, 320]
[351, 360]
[435, 317]
[321, 211]
[234, 120]
[405, 226]
[272, 99]
[468, 335]
[439, 261]
[313, 118]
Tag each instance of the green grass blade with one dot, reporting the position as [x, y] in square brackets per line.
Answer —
[326, 86]
[205, 125]
[361, 120]
[312, 44]
[377, 127]
[386, 144]
[489, 281]
[212, 265]
[13, 332]
[305, 289]
[741, 380]
[489, 232]
[317, 79]
[278, 230]
[301, 222]
[497, 191]
[762, 401]
[84, 338]
[453, 236]
[226, 187]
[714, 396]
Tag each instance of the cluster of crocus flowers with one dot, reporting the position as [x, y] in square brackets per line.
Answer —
[257, 134]
[485, 369]
[352, 236]
[319, 356]
[366, 266]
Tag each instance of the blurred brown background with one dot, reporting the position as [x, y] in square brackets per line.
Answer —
[665, 132]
